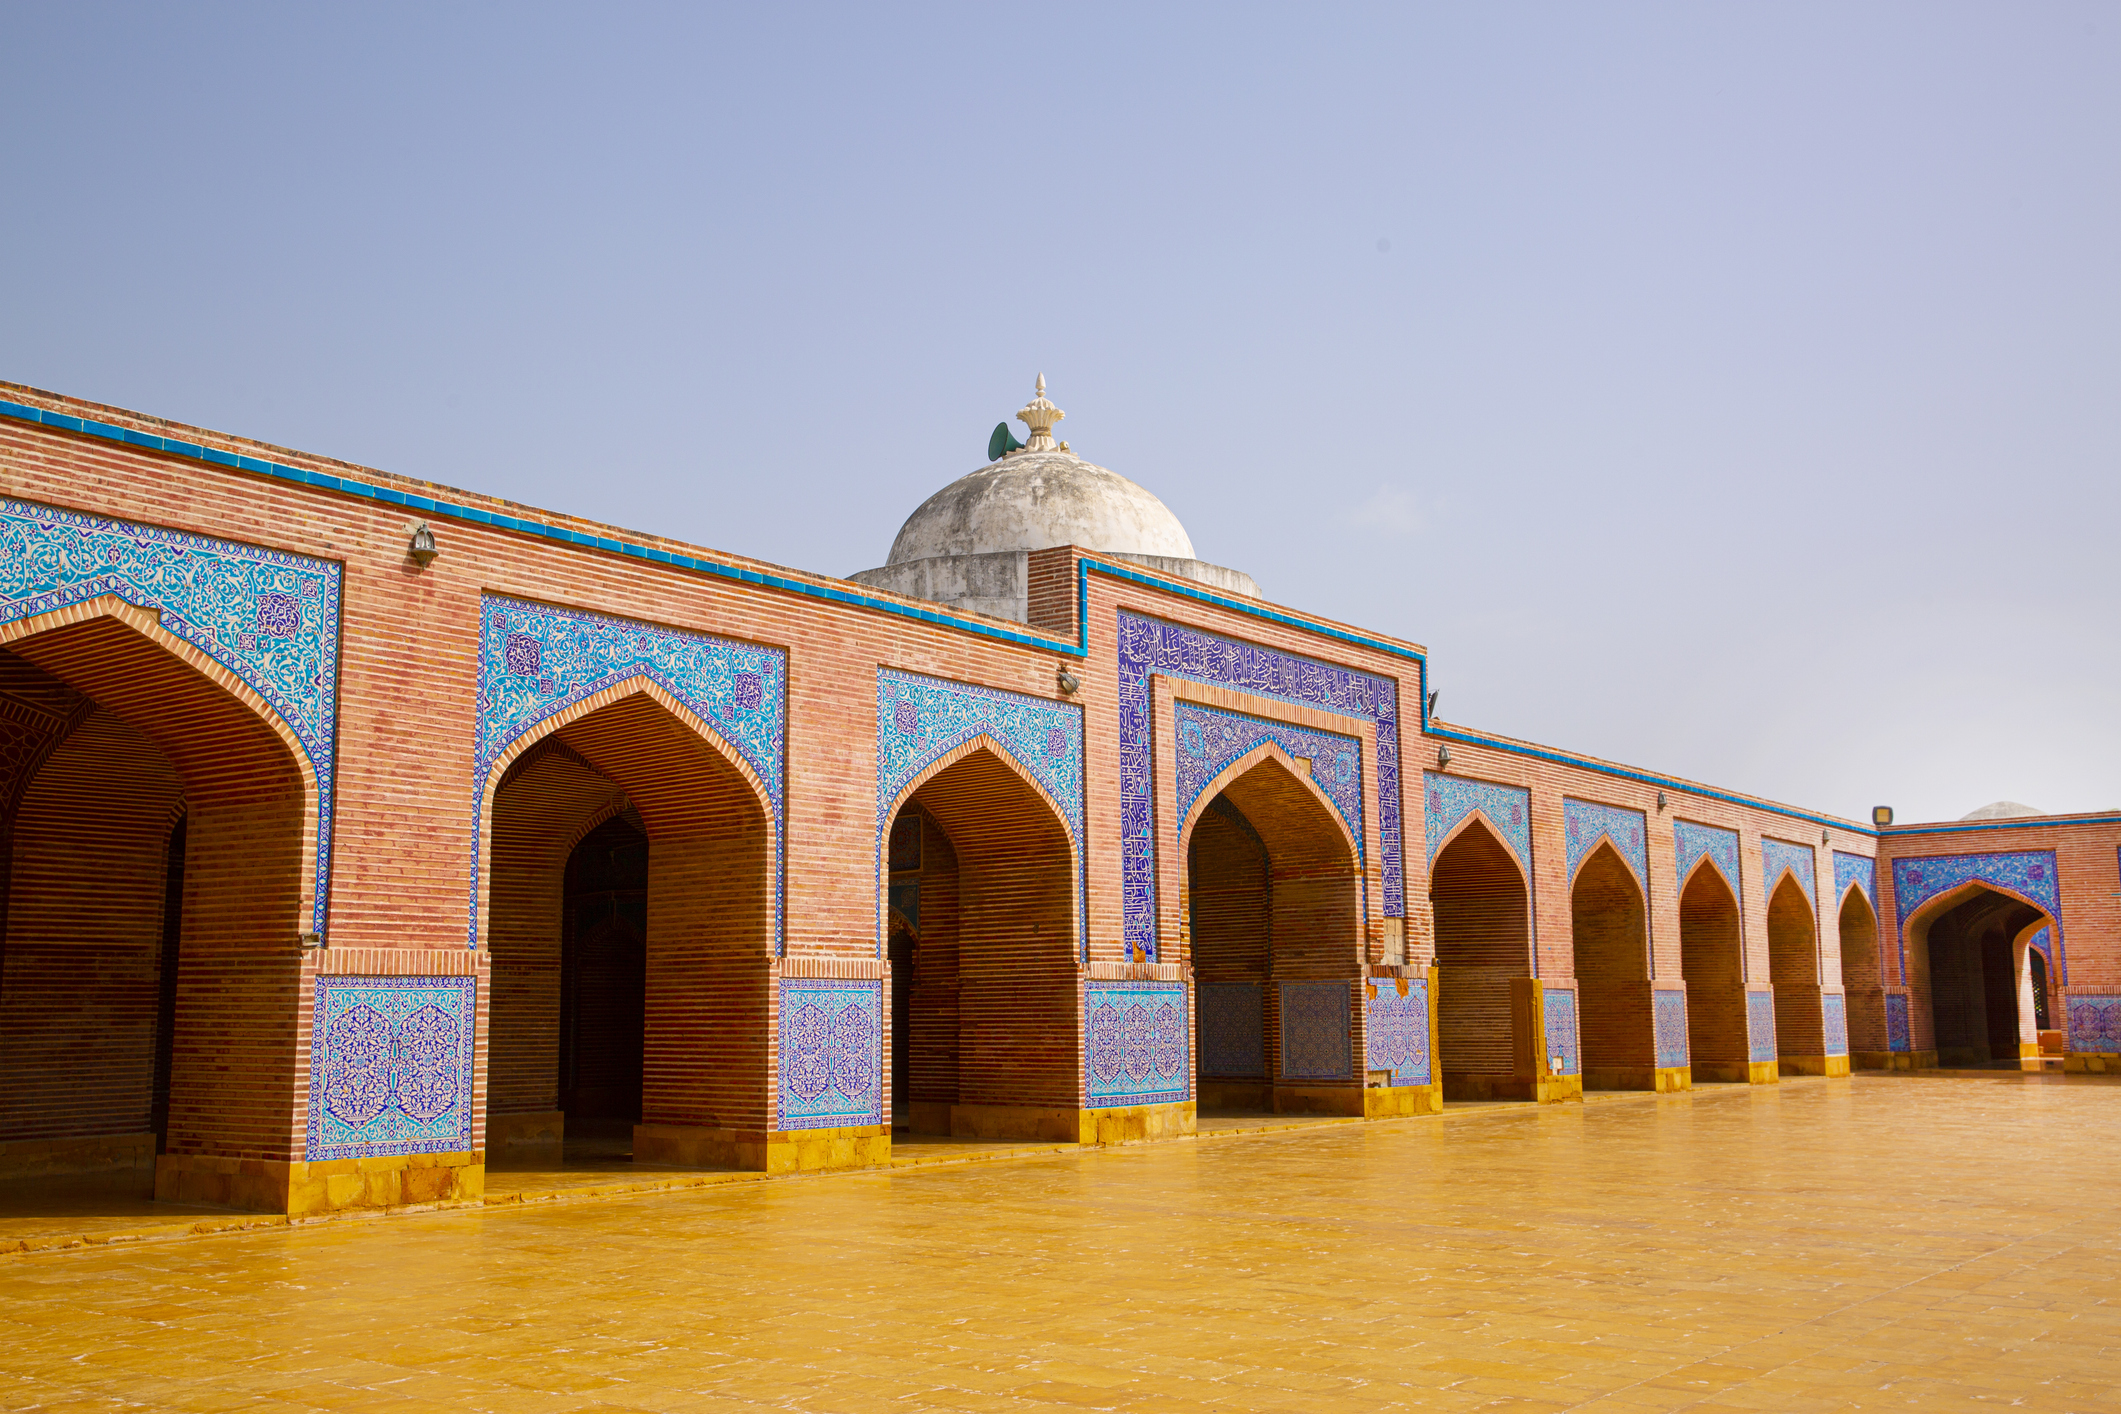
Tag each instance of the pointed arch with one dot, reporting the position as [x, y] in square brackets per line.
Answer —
[1242, 766]
[1481, 901]
[1712, 964]
[1609, 935]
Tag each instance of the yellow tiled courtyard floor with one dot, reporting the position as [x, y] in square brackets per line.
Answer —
[1920, 1243]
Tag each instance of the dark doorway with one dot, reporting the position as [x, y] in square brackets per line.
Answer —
[2038, 966]
[604, 982]
[166, 985]
[1973, 986]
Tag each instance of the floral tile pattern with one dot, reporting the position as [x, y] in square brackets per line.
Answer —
[1134, 1044]
[536, 660]
[832, 1053]
[1233, 1030]
[1670, 1010]
[1779, 857]
[1855, 871]
[1588, 822]
[1148, 646]
[1396, 1028]
[1898, 1036]
[270, 618]
[2095, 1025]
[1760, 1027]
[1559, 1012]
[1446, 800]
[390, 1066]
[1315, 1037]
[1692, 843]
[2030, 874]
[1835, 1009]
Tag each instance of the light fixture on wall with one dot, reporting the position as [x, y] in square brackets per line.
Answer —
[1660, 800]
[1881, 815]
[1826, 837]
[423, 549]
[1443, 758]
[1069, 682]
[309, 941]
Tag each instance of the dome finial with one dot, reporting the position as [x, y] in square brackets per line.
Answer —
[1040, 415]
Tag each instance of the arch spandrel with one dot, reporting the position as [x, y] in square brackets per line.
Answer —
[1587, 825]
[2028, 875]
[1239, 768]
[1448, 802]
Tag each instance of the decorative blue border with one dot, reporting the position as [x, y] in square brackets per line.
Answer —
[1855, 871]
[1396, 1028]
[2030, 874]
[1558, 1010]
[2095, 1025]
[1209, 739]
[267, 616]
[1780, 856]
[1760, 1027]
[1670, 1010]
[831, 1053]
[1135, 1044]
[1898, 1036]
[390, 1066]
[1148, 646]
[1588, 822]
[1692, 843]
[1315, 1030]
[921, 719]
[1834, 1009]
[536, 660]
[1446, 800]
[1233, 1030]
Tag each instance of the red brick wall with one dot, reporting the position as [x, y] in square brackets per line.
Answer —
[1229, 903]
[1483, 940]
[1793, 968]
[1613, 989]
[1860, 973]
[1712, 965]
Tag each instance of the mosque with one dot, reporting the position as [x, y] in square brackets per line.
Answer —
[361, 833]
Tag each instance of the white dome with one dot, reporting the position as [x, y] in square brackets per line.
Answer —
[2003, 810]
[1034, 500]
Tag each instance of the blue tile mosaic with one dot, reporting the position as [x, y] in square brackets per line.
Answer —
[1233, 1030]
[1779, 857]
[270, 618]
[1134, 1044]
[832, 1053]
[2095, 1025]
[1855, 871]
[1587, 823]
[1210, 739]
[1760, 1026]
[1446, 800]
[2030, 874]
[919, 720]
[1670, 1009]
[1834, 1009]
[390, 1066]
[1149, 646]
[1396, 1028]
[1897, 1035]
[1692, 843]
[536, 660]
[1559, 1008]
[1315, 1040]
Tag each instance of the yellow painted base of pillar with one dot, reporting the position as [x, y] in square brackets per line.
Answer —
[1401, 1101]
[329, 1185]
[1557, 1089]
[1674, 1078]
[1138, 1124]
[817, 1150]
[114, 1164]
[530, 1140]
[2088, 1063]
[1814, 1065]
[1763, 1073]
[1883, 1060]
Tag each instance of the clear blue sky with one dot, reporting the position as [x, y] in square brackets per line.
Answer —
[1731, 391]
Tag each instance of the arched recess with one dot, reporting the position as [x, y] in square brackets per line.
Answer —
[1793, 969]
[997, 937]
[1712, 962]
[921, 945]
[630, 758]
[134, 1015]
[1482, 908]
[1862, 973]
[1965, 962]
[1610, 936]
[1294, 926]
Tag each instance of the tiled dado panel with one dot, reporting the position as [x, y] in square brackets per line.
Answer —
[1233, 1030]
[1446, 800]
[1897, 1035]
[1835, 1009]
[1692, 843]
[1209, 739]
[1558, 1011]
[270, 618]
[1760, 1027]
[390, 1066]
[2095, 1025]
[2030, 874]
[1779, 857]
[921, 719]
[1855, 871]
[1396, 1028]
[1315, 1034]
[1134, 1044]
[535, 660]
[832, 1053]
[1670, 1010]
[1149, 646]
[1586, 823]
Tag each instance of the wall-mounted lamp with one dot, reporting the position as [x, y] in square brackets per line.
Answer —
[1881, 815]
[1069, 682]
[1443, 758]
[423, 549]
[310, 940]
[1826, 837]
[1660, 800]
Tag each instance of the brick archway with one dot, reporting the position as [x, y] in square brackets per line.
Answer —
[1482, 906]
[1610, 940]
[1712, 963]
[1965, 951]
